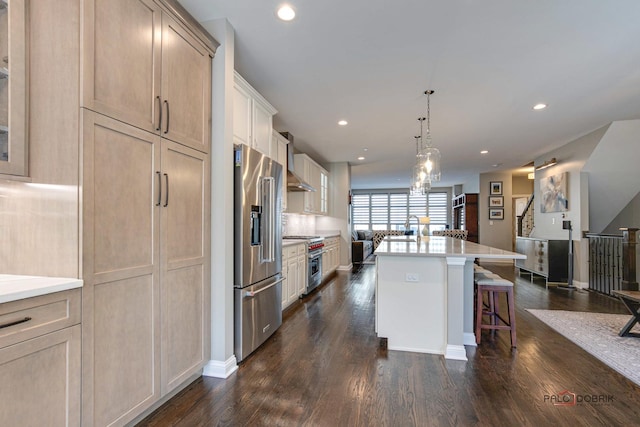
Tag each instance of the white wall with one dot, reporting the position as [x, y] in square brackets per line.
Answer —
[223, 361]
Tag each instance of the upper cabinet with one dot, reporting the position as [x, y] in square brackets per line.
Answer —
[252, 117]
[14, 29]
[315, 202]
[145, 68]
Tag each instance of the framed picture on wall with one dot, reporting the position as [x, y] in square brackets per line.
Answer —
[495, 188]
[496, 201]
[496, 213]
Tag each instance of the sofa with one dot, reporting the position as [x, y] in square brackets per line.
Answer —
[361, 245]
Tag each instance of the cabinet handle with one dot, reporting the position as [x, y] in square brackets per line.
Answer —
[159, 188]
[166, 103]
[15, 322]
[159, 113]
[166, 200]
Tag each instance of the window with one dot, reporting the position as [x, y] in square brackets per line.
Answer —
[388, 210]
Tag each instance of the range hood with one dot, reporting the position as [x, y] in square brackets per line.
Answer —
[294, 181]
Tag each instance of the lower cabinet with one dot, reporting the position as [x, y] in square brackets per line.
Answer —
[294, 269]
[40, 368]
[331, 256]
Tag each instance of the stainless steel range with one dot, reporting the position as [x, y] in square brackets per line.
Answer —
[315, 249]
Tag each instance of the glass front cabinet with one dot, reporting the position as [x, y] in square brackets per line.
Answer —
[13, 94]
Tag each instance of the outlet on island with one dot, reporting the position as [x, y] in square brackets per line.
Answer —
[411, 277]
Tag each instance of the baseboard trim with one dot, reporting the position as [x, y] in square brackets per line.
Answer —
[220, 369]
[469, 338]
[345, 267]
[455, 352]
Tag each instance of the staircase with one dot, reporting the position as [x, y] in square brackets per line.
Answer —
[525, 221]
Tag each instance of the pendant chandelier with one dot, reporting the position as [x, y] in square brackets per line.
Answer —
[427, 168]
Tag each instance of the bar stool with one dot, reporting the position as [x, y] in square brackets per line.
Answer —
[493, 285]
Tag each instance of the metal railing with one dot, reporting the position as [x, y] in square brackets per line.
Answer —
[525, 221]
[605, 262]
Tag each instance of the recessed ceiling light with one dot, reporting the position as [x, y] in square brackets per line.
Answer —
[540, 106]
[286, 13]
[365, 149]
[484, 152]
[343, 122]
[360, 158]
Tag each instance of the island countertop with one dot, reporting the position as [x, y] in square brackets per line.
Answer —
[15, 287]
[440, 246]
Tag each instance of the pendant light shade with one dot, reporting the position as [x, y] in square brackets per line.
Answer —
[427, 167]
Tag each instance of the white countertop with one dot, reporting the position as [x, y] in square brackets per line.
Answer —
[440, 246]
[291, 242]
[13, 287]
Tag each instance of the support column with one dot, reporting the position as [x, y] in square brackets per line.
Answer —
[455, 309]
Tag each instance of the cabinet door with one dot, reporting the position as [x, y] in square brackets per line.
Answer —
[120, 308]
[262, 128]
[285, 283]
[282, 159]
[122, 53]
[302, 274]
[184, 272]
[241, 116]
[41, 380]
[186, 87]
[293, 279]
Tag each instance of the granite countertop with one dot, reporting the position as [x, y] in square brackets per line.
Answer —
[15, 287]
[440, 246]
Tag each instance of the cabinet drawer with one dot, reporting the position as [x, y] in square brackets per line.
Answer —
[301, 249]
[289, 252]
[31, 317]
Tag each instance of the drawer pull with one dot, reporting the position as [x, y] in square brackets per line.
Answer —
[15, 322]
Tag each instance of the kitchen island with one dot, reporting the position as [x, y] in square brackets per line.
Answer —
[424, 293]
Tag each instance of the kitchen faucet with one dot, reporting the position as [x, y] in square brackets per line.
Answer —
[408, 223]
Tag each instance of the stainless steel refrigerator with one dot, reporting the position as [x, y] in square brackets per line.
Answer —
[257, 249]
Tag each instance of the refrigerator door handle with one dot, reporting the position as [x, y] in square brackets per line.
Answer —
[254, 293]
[269, 217]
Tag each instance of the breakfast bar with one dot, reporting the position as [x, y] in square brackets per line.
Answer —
[424, 292]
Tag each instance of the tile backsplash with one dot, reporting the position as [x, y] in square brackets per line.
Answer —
[298, 225]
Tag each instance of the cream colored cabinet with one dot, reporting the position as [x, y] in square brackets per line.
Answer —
[315, 202]
[279, 153]
[40, 360]
[145, 68]
[252, 117]
[302, 271]
[291, 266]
[146, 294]
[14, 33]
[331, 256]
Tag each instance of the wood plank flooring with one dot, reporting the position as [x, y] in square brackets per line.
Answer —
[326, 367]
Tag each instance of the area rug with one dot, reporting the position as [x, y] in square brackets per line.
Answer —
[597, 333]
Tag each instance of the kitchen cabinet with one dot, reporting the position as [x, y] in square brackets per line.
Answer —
[14, 33]
[331, 256]
[465, 214]
[315, 202]
[252, 117]
[294, 272]
[144, 67]
[40, 360]
[545, 257]
[279, 153]
[146, 257]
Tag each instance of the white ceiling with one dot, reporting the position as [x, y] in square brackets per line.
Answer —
[489, 62]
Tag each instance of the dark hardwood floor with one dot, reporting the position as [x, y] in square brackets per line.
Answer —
[326, 367]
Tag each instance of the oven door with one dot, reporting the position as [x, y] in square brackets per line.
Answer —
[314, 270]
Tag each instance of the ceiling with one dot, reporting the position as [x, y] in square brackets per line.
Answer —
[370, 61]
